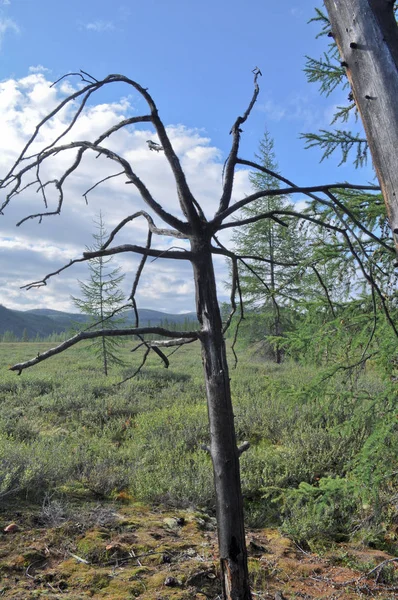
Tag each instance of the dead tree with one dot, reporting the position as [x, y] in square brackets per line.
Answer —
[204, 244]
[366, 34]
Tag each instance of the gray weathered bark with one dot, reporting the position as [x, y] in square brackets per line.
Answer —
[223, 448]
[366, 34]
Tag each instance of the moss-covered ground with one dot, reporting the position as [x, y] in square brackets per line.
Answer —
[125, 550]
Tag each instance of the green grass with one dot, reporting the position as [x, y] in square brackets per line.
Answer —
[322, 457]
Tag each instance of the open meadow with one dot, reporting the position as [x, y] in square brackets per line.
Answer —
[99, 470]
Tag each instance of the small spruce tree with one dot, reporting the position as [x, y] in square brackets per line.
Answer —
[101, 297]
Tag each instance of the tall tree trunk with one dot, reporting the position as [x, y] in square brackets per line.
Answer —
[367, 37]
[104, 356]
[277, 315]
[223, 448]
[102, 316]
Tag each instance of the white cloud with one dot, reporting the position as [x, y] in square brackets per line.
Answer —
[275, 111]
[7, 25]
[299, 108]
[38, 69]
[31, 251]
[100, 26]
[300, 205]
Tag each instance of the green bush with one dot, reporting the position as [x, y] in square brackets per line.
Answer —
[324, 511]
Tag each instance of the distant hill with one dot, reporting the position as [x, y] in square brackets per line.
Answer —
[45, 321]
[17, 321]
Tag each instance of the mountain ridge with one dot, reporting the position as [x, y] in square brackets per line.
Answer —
[45, 321]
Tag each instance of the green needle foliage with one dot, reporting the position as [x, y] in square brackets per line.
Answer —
[270, 286]
[329, 73]
[345, 141]
[101, 297]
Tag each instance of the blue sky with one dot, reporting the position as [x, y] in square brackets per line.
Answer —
[196, 59]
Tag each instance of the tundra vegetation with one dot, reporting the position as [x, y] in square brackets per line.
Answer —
[321, 469]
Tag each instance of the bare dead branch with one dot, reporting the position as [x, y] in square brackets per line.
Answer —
[350, 229]
[152, 227]
[108, 317]
[43, 282]
[325, 289]
[323, 224]
[160, 354]
[318, 199]
[163, 252]
[370, 279]
[218, 219]
[179, 255]
[145, 356]
[72, 122]
[349, 213]
[372, 333]
[133, 300]
[38, 127]
[149, 347]
[241, 317]
[75, 74]
[286, 212]
[88, 335]
[82, 147]
[228, 253]
[187, 201]
[234, 277]
[243, 447]
[99, 183]
[230, 163]
[270, 293]
[169, 343]
[154, 346]
[88, 75]
[234, 287]
[121, 124]
[138, 276]
[379, 567]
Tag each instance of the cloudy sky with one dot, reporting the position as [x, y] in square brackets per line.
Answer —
[196, 59]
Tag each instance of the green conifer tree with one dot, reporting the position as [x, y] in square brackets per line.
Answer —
[360, 296]
[270, 286]
[101, 297]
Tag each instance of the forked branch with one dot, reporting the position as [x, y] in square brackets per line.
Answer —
[229, 169]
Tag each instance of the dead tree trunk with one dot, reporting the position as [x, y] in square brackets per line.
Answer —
[223, 447]
[366, 34]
